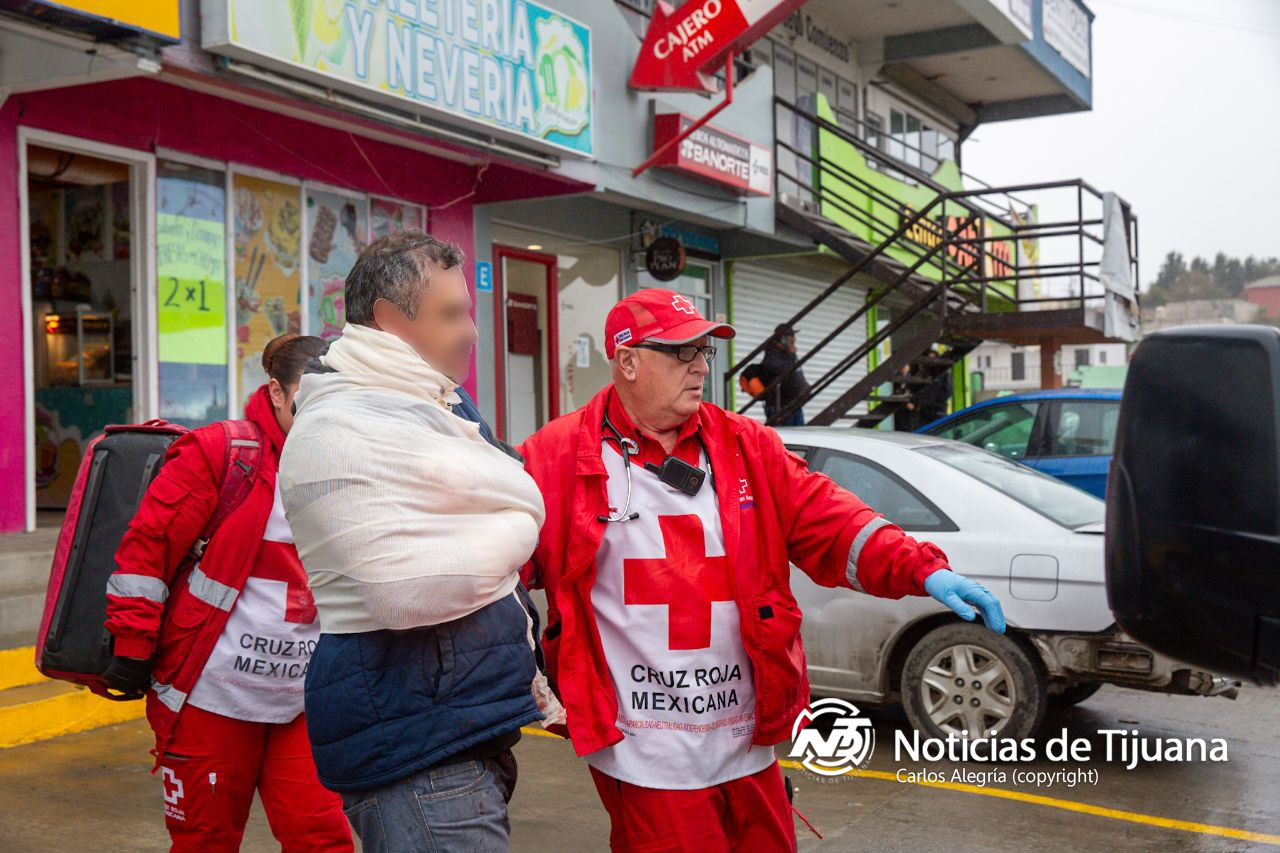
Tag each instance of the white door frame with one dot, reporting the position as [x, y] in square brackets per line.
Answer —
[142, 266]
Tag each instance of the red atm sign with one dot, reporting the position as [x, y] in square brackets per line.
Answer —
[683, 44]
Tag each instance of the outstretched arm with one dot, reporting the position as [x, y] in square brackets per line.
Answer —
[838, 540]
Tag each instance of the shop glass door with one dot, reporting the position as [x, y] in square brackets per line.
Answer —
[528, 393]
[81, 245]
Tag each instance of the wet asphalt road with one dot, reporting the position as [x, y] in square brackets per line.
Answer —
[91, 792]
[1242, 793]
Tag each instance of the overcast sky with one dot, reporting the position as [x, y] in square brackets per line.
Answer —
[1185, 125]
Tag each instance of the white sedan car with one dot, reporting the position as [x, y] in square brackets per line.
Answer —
[1032, 540]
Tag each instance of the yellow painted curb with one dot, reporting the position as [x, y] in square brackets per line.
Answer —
[66, 712]
[18, 668]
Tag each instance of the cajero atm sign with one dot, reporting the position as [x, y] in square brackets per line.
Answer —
[682, 45]
[515, 67]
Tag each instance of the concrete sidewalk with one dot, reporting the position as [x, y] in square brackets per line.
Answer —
[90, 792]
[24, 576]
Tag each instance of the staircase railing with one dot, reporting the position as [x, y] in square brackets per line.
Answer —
[938, 290]
[938, 255]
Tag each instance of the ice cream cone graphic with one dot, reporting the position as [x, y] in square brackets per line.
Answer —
[561, 76]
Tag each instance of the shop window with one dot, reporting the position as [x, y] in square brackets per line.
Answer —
[81, 239]
[916, 143]
[268, 276]
[784, 74]
[898, 136]
[913, 141]
[847, 104]
[806, 85]
[191, 293]
[337, 229]
[386, 215]
[875, 131]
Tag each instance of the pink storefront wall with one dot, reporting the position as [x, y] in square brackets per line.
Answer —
[146, 114]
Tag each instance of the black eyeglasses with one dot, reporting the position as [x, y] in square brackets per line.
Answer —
[684, 352]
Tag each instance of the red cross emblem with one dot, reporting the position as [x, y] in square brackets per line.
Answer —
[276, 563]
[682, 303]
[686, 580]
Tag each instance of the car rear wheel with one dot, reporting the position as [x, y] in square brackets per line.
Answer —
[963, 678]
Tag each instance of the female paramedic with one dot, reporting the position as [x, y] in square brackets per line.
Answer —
[210, 612]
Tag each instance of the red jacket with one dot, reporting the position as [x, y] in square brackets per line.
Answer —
[774, 511]
[177, 619]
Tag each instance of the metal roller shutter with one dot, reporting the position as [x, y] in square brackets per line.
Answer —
[766, 294]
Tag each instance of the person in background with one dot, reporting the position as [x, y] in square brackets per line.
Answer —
[931, 402]
[907, 417]
[779, 357]
[221, 642]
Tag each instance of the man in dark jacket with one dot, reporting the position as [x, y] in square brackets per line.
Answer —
[414, 728]
[931, 401]
[779, 357]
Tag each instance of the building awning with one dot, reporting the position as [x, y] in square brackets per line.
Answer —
[976, 59]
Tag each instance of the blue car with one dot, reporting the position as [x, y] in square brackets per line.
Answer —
[1067, 433]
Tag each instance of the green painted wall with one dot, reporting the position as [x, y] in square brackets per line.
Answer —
[847, 174]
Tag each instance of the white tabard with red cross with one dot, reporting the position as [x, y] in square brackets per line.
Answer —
[257, 668]
[663, 599]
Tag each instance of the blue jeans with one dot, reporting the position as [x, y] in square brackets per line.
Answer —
[457, 806]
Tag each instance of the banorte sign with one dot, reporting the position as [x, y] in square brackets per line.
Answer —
[682, 45]
[712, 154]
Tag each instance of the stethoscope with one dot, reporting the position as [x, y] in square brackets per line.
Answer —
[628, 447]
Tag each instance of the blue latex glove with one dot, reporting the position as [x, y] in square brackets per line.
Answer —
[959, 592]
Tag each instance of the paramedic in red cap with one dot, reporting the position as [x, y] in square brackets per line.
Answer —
[672, 635]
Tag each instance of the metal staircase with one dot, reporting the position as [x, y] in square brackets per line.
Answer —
[946, 267]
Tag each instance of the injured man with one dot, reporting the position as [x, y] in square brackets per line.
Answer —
[412, 522]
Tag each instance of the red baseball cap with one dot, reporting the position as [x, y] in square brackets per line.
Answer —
[658, 316]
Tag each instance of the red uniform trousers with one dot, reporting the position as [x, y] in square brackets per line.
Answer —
[214, 764]
[748, 814]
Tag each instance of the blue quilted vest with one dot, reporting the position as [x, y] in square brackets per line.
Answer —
[384, 705]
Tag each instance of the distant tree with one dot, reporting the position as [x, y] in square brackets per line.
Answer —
[1224, 278]
[1197, 284]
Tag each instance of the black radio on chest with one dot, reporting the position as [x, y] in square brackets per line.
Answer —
[679, 474]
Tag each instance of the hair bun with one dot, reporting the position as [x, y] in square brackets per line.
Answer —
[273, 347]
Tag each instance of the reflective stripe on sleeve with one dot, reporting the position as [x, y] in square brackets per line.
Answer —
[138, 586]
[212, 592]
[170, 696]
[859, 542]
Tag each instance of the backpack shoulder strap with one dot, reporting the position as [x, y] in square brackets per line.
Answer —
[241, 459]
